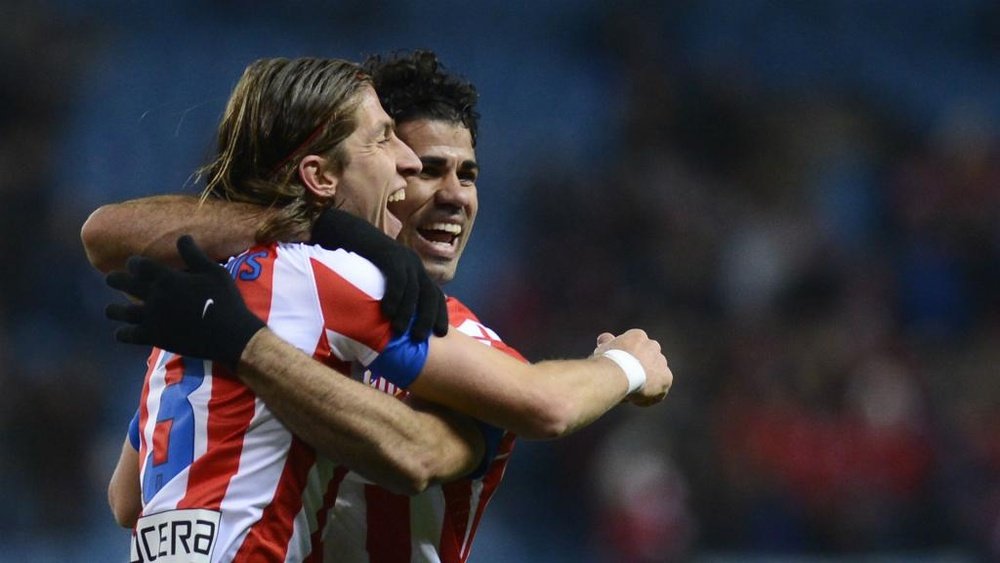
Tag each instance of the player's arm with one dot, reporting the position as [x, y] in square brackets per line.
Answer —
[306, 392]
[375, 434]
[543, 400]
[150, 226]
[124, 494]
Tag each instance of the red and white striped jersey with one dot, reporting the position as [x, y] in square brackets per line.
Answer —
[222, 479]
[369, 524]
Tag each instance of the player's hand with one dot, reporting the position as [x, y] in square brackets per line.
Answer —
[197, 313]
[659, 378]
[410, 294]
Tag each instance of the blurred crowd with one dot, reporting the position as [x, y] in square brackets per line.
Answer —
[818, 253]
[52, 395]
[824, 277]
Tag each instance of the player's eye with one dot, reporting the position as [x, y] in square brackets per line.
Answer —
[428, 172]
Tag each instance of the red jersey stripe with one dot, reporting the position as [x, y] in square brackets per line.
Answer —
[175, 371]
[161, 433]
[328, 499]
[151, 362]
[270, 542]
[325, 355]
[457, 498]
[490, 483]
[257, 291]
[353, 313]
[388, 521]
[230, 411]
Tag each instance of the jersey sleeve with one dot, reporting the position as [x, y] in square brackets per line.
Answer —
[350, 289]
[133, 430]
[401, 360]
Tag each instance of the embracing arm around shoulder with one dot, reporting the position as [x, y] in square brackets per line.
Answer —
[401, 447]
[537, 401]
[150, 227]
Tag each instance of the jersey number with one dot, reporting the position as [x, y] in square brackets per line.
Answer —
[173, 436]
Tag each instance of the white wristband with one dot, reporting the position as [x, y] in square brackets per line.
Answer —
[631, 366]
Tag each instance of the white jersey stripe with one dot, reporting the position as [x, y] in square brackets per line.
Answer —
[155, 385]
[426, 518]
[347, 527]
[199, 402]
[348, 349]
[252, 487]
[474, 497]
[299, 325]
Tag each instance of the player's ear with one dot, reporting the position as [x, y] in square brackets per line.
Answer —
[319, 175]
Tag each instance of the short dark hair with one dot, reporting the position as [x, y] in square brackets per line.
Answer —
[416, 85]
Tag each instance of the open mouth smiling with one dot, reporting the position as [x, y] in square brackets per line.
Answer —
[441, 234]
[398, 195]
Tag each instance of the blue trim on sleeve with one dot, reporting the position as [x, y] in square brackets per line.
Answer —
[133, 430]
[401, 360]
[491, 438]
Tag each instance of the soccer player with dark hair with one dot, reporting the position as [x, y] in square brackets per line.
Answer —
[434, 113]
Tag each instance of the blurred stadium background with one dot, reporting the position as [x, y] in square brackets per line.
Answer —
[801, 200]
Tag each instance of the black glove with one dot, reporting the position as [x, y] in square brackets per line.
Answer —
[197, 313]
[409, 292]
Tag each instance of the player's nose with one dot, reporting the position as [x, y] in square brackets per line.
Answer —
[407, 162]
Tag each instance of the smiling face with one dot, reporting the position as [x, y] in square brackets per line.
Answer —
[376, 167]
[441, 201]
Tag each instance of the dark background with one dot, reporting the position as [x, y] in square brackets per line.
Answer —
[800, 200]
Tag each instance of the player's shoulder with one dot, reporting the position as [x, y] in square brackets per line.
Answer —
[463, 319]
[340, 263]
[459, 311]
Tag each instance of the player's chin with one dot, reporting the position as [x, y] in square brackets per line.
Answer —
[391, 225]
[441, 271]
